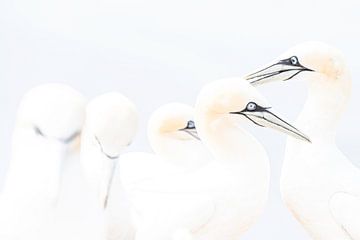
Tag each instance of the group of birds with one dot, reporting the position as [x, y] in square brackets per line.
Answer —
[208, 177]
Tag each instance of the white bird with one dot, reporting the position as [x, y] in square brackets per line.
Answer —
[222, 199]
[110, 126]
[50, 118]
[319, 185]
[172, 135]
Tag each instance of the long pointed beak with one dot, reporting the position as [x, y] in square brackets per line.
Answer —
[191, 129]
[280, 71]
[109, 168]
[192, 132]
[265, 118]
[106, 184]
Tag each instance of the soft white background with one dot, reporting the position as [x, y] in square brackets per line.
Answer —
[160, 51]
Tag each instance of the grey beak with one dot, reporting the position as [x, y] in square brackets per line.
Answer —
[264, 118]
[191, 130]
[108, 175]
[107, 182]
[283, 70]
[66, 140]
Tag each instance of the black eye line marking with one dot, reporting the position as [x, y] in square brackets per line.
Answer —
[190, 129]
[103, 152]
[190, 125]
[258, 108]
[62, 140]
[281, 62]
[288, 61]
[265, 109]
[300, 68]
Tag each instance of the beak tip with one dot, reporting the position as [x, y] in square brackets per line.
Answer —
[306, 139]
[254, 82]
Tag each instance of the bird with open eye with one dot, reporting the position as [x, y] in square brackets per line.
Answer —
[220, 199]
[319, 184]
[111, 119]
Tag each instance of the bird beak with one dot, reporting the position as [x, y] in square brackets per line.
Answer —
[109, 168]
[191, 130]
[108, 177]
[65, 146]
[282, 70]
[264, 118]
[67, 140]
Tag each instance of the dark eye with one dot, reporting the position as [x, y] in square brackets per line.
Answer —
[190, 124]
[251, 106]
[294, 60]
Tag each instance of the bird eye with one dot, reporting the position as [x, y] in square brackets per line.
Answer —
[294, 60]
[190, 124]
[251, 106]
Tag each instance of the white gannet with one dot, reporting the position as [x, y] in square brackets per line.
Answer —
[110, 126]
[172, 135]
[319, 185]
[222, 199]
[50, 118]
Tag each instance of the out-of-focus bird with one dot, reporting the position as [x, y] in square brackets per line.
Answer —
[110, 126]
[49, 120]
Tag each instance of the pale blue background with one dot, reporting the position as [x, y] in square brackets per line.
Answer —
[160, 51]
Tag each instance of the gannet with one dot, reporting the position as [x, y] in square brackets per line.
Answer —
[173, 136]
[110, 126]
[222, 199]
[49, 120]
[319, 185]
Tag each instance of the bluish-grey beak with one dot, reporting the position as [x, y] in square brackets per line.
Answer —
[263, 117]
[282, 70]
[191, 130]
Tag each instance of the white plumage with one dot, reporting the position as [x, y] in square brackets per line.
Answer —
[49, 119]
[173, 136]
[110, 126]
[320, 186]
[220, 200]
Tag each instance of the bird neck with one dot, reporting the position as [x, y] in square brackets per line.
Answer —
[228, 142]
[189, 154]
[36, 166]
[324, 107]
